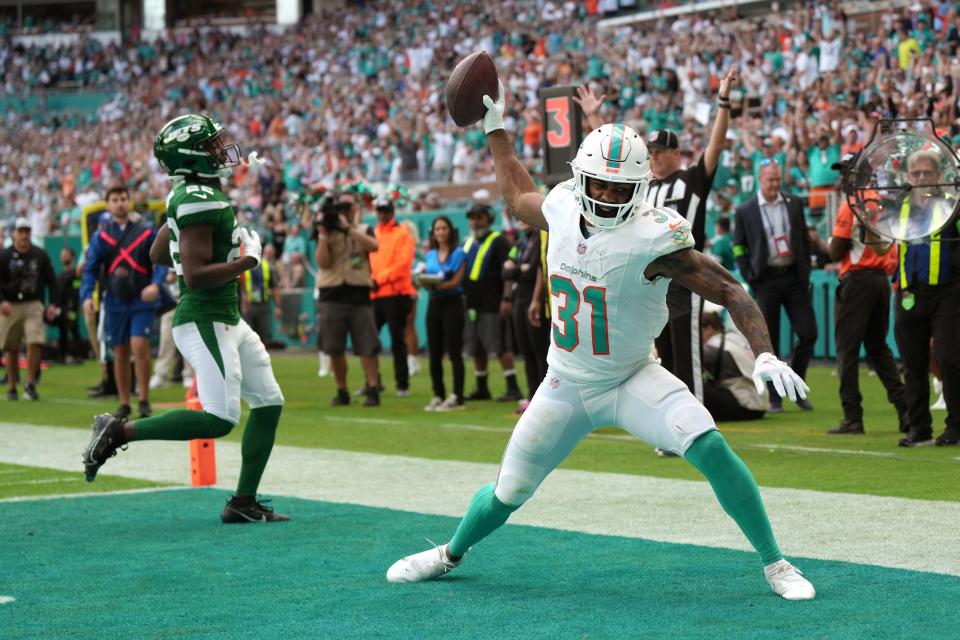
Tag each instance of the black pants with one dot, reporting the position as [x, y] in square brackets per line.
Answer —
[680, 345]
[392, 311]
[862, 316]
[445, 321]
[723, 405]
[935, 314]
[69, 343]
[788, 291]
[533, 342]
[259, 318]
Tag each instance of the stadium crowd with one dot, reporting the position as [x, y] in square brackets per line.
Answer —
[374, 111]
[359, 100]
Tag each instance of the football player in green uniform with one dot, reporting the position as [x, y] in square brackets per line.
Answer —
[202, 241]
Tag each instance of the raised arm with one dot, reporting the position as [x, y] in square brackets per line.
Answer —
[516, 185]
[590, 105]
[718, 137]
[709, 279]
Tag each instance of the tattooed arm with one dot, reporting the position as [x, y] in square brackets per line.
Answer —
[708, 278]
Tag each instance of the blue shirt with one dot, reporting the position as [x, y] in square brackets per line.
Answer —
[447, 269]
[98, 252]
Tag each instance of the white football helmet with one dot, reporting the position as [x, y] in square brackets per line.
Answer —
[612, 153]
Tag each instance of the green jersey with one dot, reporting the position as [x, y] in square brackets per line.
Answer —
[192, 203]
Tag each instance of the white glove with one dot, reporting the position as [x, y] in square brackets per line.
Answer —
[493, 119]
[784, 379]
[252, 246]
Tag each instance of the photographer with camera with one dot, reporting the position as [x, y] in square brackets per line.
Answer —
[343, 282]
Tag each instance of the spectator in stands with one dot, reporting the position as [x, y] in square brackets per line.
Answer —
[862, 316]
[488, 329]
[821, 157]
[26, 276]
[773, 248]
[258, 286]
[70, 347]
[928, 305]
[443, 275]
[131, 295]
[721, 246]
[343, 282]
[729, 392]
[391, 267]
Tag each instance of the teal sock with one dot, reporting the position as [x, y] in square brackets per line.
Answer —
[485, 514]
[736, 490]
[258, 437]
[181, 424]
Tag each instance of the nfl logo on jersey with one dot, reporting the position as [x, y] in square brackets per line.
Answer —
[581, 248]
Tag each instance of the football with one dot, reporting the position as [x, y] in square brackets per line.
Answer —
[474, 77]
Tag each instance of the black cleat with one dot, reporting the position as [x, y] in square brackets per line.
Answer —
[373, 397]
[123, 412]
[949, 438]
[342, 398]
[247, 509]
[804, 404]
[145, 409]
[12, 394]
[30, 392]
[917, 438]
[847, 428]
[479, 394]
[105, 389]
[776, 404]
[107, 438]
[511, 395]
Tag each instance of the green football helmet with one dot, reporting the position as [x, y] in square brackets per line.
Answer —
[192, 145]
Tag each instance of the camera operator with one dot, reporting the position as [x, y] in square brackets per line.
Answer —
[25, 274]
[343, 292]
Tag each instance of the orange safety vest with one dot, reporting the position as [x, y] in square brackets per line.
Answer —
[391, 265]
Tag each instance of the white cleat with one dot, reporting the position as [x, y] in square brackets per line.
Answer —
[787, 581]
[425, 565]
[324, 359]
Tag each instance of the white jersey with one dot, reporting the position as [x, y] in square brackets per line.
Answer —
[605, 313]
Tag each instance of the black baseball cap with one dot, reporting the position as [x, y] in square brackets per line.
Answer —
[663, 139]
[479, 208]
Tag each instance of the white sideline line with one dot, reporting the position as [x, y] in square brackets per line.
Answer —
[847, 452]
[831, 526]
[456, 426]
[94, 494]
[38, 481]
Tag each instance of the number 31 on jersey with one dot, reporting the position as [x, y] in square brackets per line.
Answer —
[566, 327]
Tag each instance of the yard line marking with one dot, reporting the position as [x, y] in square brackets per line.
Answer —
[616, 504]
[456, 426]
[92, 494]
[38, 481]
[849, 452]
[6, 599]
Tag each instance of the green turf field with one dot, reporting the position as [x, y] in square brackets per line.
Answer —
[111, 567]
[786, 450]
[137, 559]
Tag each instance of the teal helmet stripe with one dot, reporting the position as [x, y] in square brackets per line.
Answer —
[616, 147]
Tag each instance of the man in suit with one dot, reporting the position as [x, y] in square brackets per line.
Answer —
[772, 250]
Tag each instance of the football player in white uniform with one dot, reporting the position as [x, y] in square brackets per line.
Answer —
[609, 261]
